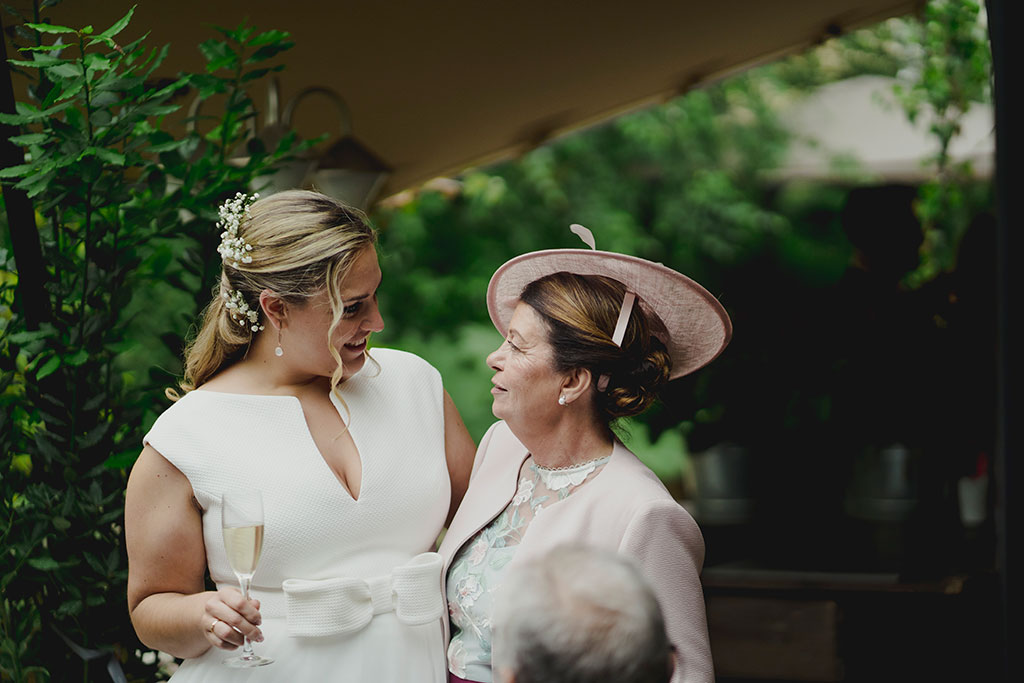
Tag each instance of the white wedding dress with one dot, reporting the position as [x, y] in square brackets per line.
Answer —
[362, 603]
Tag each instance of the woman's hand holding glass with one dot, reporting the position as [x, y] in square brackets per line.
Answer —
[228, 617]
[242, 523]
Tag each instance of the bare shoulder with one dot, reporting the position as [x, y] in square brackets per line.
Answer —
[153, 479]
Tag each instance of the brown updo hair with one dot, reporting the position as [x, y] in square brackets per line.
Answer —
[580, 312]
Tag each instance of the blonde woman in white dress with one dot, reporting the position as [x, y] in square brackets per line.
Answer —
[360, 457]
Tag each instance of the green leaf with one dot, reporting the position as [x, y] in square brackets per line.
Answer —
[119, 25]
[48, 368]
[268, 51]
[22, 463]
[61, 524]
[46, 113]
[168, 146]
[268, 37]
[30, 139]
[100, 118]
[16, 171]
[95, 62]
[218, 54]
[39, 62]
[22, 338]
[35, 184]
[43, 48]
[105, 98]
[43, 563]
[107, 155]
[104, 41]
[212, 49]
[77, 358]
[50, 28]
[241, 34]
[260, 73]
[19, 119]
[119, 83]
[66, 70]
[95, 402]
[172, 87]
[52, 420]
[73, 89]
[94, 436]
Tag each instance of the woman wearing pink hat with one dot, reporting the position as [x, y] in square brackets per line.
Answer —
[590, 337]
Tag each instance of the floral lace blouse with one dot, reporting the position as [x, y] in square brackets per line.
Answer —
[476, 571]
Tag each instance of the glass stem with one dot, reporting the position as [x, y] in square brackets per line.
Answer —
[244, 582]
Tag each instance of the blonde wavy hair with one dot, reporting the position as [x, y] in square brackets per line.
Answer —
[302, 243]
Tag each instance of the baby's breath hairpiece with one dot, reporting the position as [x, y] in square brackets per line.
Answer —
[233, 249]
[240, 311]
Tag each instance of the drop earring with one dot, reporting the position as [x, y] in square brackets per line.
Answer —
[278, 351]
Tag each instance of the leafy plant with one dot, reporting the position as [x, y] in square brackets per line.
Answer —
[125, 213]
[952, 72]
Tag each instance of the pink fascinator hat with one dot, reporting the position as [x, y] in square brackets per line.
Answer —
[696, 326]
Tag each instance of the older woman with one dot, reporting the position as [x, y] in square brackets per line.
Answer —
[590, 336]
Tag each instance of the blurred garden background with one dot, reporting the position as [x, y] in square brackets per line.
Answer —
[848, 428]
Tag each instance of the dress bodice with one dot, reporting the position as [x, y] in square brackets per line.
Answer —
[314, 529]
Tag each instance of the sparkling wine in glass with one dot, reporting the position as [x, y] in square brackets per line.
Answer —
[242, 522]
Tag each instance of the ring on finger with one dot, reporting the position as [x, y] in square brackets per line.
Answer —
[213, 624]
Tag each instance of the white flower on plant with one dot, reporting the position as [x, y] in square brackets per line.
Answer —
[525, 491]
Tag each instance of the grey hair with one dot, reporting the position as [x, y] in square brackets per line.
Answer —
[578, 615]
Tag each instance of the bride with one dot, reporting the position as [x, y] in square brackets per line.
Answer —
[360, 457]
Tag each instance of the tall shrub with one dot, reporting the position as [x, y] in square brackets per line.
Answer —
[125, 212]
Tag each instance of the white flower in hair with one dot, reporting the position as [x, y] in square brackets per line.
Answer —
[240, 311]
[233, 249]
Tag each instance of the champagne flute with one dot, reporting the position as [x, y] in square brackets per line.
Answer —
[242, 522]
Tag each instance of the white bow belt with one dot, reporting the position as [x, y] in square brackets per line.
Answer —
[344, 605]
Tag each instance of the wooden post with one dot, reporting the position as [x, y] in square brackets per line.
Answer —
[31, 296]
[1003, 24]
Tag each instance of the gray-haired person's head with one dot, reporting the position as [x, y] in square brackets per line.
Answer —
[579, 615]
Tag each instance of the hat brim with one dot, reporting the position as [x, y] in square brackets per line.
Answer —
[698, 326]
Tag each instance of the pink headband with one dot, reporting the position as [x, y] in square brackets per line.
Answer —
[624, 311]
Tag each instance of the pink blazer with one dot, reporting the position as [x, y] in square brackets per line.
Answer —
[624, 508]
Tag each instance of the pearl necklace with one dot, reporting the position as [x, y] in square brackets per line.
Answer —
[558, 478]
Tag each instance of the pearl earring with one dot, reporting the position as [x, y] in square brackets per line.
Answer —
[278, 351]
[561, 400]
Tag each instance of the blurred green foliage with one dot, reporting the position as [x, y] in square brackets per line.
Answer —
[683, 184]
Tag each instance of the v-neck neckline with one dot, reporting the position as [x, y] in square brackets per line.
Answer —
[311, 442]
